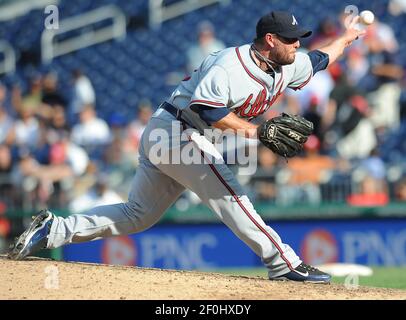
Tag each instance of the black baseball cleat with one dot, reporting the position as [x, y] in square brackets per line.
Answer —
[34, 238]
[305, 273]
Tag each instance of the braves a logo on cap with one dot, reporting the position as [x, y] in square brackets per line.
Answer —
[294, 22]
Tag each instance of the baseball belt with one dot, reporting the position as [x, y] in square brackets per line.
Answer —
[177, 113]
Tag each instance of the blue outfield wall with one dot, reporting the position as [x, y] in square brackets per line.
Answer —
[191, 246]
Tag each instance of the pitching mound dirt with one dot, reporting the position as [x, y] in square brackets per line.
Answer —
[46, 279]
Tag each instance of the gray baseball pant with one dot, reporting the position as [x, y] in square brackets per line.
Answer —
[155, 188]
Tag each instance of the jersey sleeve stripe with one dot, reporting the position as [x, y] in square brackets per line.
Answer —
[303, 84]
[211, 103]
[280, 80]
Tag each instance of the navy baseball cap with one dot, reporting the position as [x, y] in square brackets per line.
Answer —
[281, 23]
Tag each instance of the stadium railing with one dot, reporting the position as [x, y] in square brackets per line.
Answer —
[116, 30]
[158, 12]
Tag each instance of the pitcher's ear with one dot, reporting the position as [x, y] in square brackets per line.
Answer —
[269, 39]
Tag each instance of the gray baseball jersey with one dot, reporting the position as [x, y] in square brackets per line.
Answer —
[230, 78]
[227, 81]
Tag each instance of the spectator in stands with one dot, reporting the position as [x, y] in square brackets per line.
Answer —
[26, 130]
[66, 161]
[5, 159]
[300, 182]
[346, 121]
[7, 190]
[58, 126]
[402, 100]
[382, 79]
[263, 180]
[342, 91]
[6, 122]
[43, 96]
[6, 166]
[114, 153]
[357, 134]
[374, 166]
[33, 97]
[136, 127]
[91, 131]
[400, 190]
[118, 124]
[371, 192]
[312, 114]
[380, 37]
[83, 94]
[207, 43]
[5, 227]
[50, 93]
[397, 7]
[357, 65]
[100, 194]
[326, 32]
[370, 176]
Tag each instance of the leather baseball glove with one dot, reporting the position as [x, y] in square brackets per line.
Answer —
[285, 134]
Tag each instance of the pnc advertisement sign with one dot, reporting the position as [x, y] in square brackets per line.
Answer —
[368, 242]
[119, 251]
[190, 247]
[318, 247]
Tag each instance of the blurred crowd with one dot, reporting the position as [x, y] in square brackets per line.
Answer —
[357, 106]
[55, 151]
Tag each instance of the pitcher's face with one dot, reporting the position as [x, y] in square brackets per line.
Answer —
[284, 50]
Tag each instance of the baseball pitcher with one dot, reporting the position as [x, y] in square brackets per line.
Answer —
[230, 88]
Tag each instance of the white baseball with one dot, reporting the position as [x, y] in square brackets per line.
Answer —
[367, 17]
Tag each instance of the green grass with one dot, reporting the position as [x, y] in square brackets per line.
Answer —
[385, 277]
